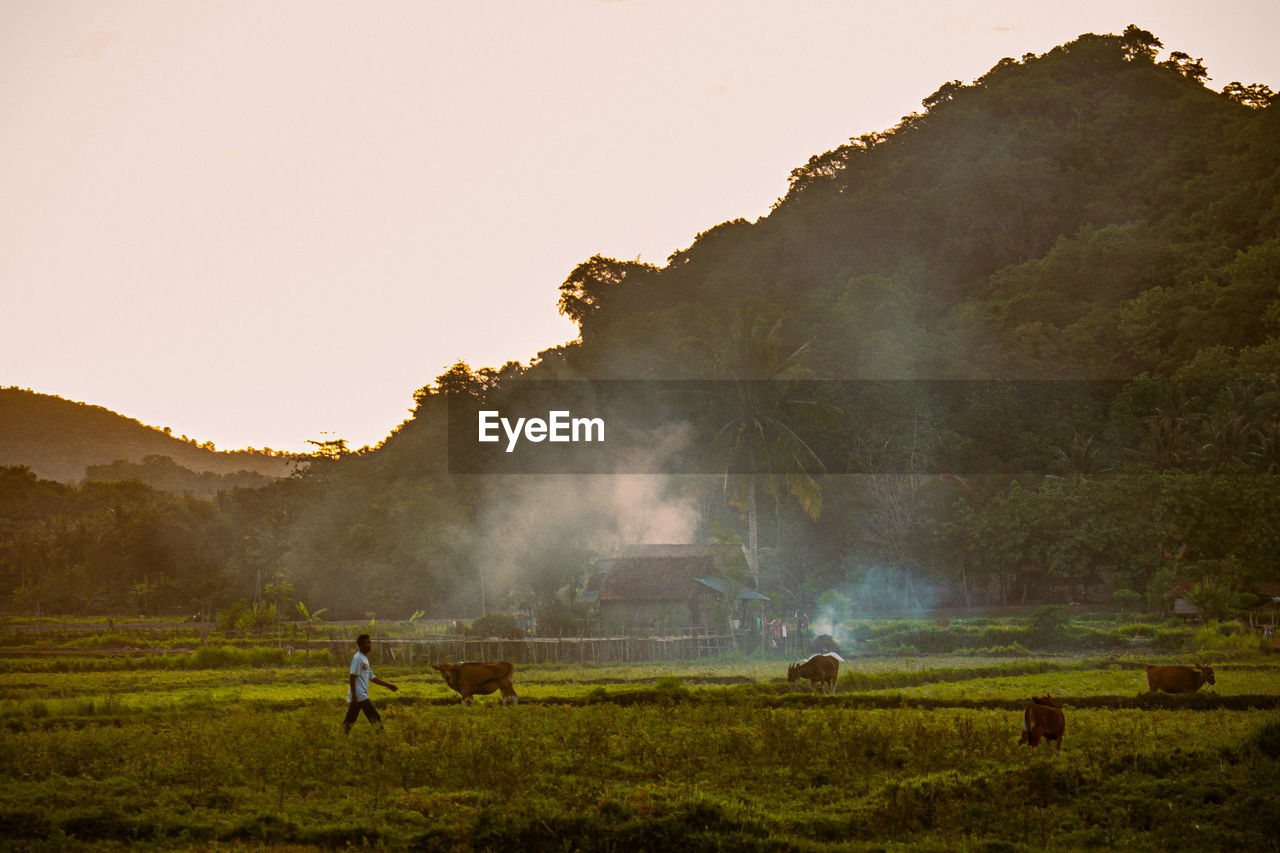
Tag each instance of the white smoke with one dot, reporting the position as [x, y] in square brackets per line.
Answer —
[529, 519]
[874, 590]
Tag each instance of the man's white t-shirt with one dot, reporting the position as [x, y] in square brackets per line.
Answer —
[361, 670]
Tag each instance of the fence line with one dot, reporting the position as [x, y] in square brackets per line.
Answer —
[538, 649]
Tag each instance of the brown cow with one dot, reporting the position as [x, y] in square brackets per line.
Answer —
[482, 678]
[821, 670]
[1042, 719]
[1178, 679]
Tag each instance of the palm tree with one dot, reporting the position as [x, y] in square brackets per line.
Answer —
[1229, 439]
[1266, 448]
[752, 419]
[1084, 457]
[1167, 440]
[310, 619]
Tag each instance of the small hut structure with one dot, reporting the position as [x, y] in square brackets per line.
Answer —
[670, 587]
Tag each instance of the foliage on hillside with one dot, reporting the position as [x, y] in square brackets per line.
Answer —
[1085, 213]
[161, 472]
[1096, 212]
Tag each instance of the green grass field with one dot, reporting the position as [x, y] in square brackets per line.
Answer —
[912, 753]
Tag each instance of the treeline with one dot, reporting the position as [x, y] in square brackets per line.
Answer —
[391, 532]
[108, 547]
[124, 547]
[161, 472]
[1094, 213]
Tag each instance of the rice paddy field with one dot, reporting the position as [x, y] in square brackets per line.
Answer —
[232, 751]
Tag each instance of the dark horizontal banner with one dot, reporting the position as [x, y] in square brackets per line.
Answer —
[975, 427]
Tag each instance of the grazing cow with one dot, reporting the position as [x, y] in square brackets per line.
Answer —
[821, 670]
[1042, 719]
[1178, 679]
[473, 678]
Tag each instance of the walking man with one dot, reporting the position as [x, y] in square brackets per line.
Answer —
[358, 695]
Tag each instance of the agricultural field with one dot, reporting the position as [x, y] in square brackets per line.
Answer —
[237, 749]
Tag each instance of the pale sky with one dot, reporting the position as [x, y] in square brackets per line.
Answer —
[270, 221]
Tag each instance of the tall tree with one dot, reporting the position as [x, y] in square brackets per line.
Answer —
[1139, 44]
[756, 418]
[596, 286]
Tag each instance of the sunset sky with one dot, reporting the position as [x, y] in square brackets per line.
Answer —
[264, 222]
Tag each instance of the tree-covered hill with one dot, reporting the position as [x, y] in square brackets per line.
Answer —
[59, 439]
[1092, 212]
[1097, 212]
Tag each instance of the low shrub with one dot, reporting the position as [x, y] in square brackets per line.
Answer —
[494, 625]
[1172, 639]
[220, 657]
[1137, 629]
[856, 680]
[1226, 637]
[1127, 599]
[1014, 650]
[1267, 739]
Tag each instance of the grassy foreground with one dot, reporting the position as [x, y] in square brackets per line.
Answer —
[913, 754]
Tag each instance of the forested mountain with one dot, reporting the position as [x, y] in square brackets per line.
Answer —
[1095, 213]
[1086, 213]
[58, 439]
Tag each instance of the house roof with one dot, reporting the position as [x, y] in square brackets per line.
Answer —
[666, 572]
[721, 587]
[733, 553]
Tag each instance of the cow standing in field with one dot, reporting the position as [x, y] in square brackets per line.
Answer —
[1178, 679]
[1042, 719]
[482, 678]
[821, 670]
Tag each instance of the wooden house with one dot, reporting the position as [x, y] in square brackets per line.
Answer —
[670, 587]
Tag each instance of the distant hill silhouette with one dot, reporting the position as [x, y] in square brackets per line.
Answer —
[58, 439]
